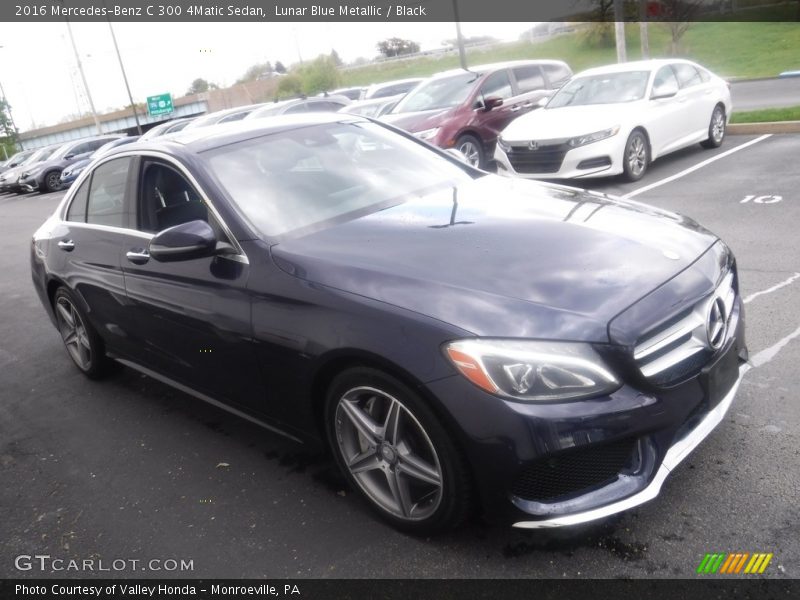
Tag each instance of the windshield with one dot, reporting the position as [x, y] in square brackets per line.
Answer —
[308, 178]
[41, 154]
[442, 92]
[609, 88]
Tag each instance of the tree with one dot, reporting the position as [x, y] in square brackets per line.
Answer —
[258, 71]
[680, 15]
[290, 85]
[397, 47]
[6, 126]
[198, 86]
[336, 58]
[279, 68]
[319, 75]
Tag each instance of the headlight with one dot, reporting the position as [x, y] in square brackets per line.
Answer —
[428, 134]
[593, 137]
[532, 371]
[33, 171]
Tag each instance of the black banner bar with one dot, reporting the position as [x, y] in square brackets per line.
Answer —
[386, 10]
[738, 588]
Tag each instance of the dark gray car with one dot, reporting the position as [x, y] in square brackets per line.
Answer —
[45, 176]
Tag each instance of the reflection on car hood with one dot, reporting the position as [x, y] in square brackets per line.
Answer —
[512, 258]
[569, 121]
[417, 121]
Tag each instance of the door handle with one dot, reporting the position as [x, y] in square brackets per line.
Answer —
[515, 108]
[527, 105]
[138, 256]
[66, 245]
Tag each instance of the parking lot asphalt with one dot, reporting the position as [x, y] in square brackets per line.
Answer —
[765, 93]
[131, 469]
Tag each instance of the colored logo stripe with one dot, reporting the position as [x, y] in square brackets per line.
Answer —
[733, 563]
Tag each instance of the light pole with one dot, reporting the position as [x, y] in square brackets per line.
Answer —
[83, 78]
[459, 40]
[125, 77]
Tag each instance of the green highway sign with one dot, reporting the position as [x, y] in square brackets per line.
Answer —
[159, 105]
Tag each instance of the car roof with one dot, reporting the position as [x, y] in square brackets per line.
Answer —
[206, 138]
[636, 65]
[498, 65]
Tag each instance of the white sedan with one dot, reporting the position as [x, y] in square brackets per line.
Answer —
[616, 120]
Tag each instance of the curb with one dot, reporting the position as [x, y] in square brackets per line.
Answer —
[762, 128]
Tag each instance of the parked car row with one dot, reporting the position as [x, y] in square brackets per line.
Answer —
[534, 119]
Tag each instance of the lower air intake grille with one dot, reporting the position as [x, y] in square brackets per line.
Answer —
[549, 478]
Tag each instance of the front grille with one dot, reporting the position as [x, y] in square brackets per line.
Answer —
[544, 159]
[574, 470]
[680, 346]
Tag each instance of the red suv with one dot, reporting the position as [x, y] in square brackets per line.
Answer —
[467, 109]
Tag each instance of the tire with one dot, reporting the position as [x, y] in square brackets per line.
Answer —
[395, 453]
[472, 148]
[716, 128]
[636, 157]
[51, 181]
[83, 345]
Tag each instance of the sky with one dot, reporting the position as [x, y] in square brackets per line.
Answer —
[39, 75]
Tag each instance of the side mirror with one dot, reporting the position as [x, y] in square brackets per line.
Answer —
[186, 241]
[492, 102]
[543, 101]
[666, 90]
[69, 156]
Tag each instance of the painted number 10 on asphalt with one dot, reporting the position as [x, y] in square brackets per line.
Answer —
[761, 199]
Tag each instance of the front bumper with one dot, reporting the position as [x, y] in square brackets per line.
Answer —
[676, 453]
[556, 160]
[539, 465]
[29, 184]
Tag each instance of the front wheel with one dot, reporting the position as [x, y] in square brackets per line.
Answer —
[392, 449]
[472, 149]
[716, 129]
[52, 181]
[636, 157]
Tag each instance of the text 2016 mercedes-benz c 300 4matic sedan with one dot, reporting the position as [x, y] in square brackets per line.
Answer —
[458, 339]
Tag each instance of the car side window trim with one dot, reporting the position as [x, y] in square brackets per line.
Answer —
[240, 255]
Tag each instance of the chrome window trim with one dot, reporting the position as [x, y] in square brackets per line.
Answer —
[240, 255]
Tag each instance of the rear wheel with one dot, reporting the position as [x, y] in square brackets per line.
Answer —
[472, 148]
[52, 181]
[83, 345]
[393, 450]
[636, 157]
[716, 129]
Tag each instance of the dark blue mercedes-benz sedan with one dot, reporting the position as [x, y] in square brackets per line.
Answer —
[456, 338]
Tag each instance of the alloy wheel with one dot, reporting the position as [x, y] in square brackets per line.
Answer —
[471, 152]
[74, 333]
[637, 156]
[718, 125]
[52, 182]
[388, 453]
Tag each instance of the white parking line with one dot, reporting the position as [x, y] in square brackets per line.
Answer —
[775, 287]
[700, 165]
[766, 355]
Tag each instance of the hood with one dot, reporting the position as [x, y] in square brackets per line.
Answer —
[511, 258]
[567, 121]
[418, 121]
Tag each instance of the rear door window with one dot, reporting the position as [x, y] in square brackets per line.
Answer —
[529, 78]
